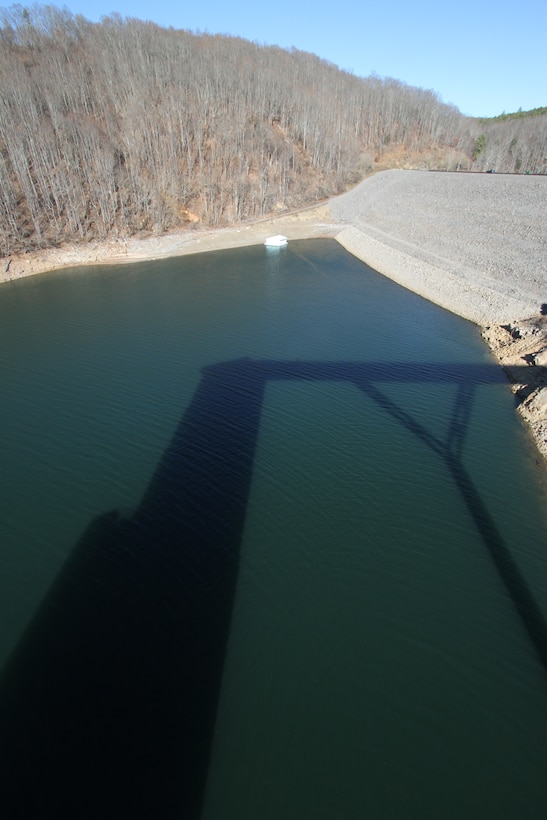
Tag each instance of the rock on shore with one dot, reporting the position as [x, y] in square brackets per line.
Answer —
[521, 349]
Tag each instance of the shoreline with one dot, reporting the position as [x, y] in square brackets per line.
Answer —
[510, 325]
[304, 224]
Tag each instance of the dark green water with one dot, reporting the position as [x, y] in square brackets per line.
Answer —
[320, 470]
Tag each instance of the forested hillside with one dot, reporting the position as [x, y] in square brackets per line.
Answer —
[122, 126]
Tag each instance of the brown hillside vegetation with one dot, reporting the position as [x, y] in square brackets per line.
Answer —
[122, 127]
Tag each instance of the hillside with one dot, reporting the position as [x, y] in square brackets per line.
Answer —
[124, 128]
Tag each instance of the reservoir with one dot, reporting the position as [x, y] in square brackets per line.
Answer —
[272, 546]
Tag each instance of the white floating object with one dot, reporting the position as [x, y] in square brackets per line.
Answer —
[276, 241]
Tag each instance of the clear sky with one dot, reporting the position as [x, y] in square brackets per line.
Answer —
[484, 57]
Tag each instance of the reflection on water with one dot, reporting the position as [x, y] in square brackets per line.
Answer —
[328, 600]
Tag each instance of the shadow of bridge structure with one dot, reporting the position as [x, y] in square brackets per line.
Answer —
[108, 704]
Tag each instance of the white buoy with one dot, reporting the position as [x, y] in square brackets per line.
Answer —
[276, 241]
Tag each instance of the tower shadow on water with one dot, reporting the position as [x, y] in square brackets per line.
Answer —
[108, 705]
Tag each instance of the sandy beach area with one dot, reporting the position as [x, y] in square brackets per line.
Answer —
[475, 244]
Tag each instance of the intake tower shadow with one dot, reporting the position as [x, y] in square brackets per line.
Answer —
[107, 707]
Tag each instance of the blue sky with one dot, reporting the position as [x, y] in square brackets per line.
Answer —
[484, 57]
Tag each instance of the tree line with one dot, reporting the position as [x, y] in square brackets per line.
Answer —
[113, 128]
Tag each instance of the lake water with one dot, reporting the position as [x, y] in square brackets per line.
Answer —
[272, 546]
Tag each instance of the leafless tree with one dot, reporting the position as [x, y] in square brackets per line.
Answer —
[123, 126]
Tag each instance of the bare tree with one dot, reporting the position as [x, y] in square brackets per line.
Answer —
[124, 126]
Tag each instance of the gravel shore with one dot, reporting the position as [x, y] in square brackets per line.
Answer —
[475, 244]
